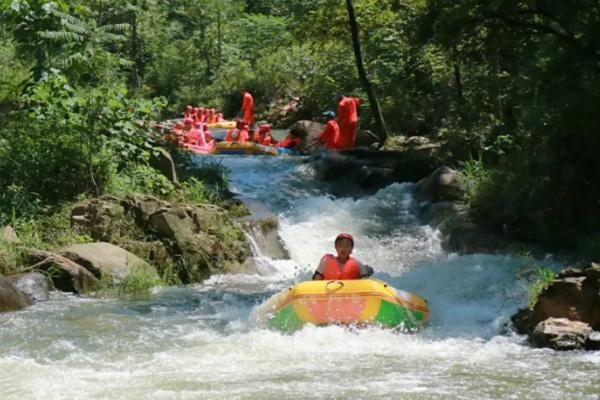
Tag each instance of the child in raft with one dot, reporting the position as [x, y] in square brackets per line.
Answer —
[343, 266]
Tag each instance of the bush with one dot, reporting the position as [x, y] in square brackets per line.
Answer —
[139, 178]
[543, 278]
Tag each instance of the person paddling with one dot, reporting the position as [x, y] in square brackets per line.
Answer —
[239, 134]
[343, 266]
[330, 135]
[291, 141]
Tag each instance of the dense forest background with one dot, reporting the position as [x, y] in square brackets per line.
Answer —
[511, 88]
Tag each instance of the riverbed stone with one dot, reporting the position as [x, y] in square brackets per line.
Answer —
[371, 169]
[143, 206]
[459, 233]
[101, 218]
[573, 294]
[441, 185]
[34, 284]
[263, 228]
[310, 131]
[203, 236]
[593, 341]
[106, 259]
[65, 274]
[561, 334]
[10, 298]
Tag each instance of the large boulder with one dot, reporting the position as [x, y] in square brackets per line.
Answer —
[203, 236]
[199, 238]
[105, 259]
[10, 298]
[310, 131]
[574, 294]
[34, 284]
[366, 138]
[101, 218]
[461, 234]
[441, 185]
[561, 334]
[262, 226]
[66, 275]
[372, 169]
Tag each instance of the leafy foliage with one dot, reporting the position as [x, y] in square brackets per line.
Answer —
[511, 83]
[543, 278]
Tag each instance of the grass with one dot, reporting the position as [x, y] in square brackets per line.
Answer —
[136, 283]
[472, 174]
[542, 279]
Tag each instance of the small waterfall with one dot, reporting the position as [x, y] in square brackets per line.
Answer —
[256, 250]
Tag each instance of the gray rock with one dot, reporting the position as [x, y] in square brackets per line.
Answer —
[10, 298]
[372, 169]
[441, 185]
[66, 275]
[107, 259]
[573, 294]
[561, 334]
[143, 206]
[100, 217]
[459, 233]
[593, 341]
[203, 236]
[34, 284]
[263, 230]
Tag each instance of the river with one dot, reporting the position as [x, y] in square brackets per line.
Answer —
[205, 342]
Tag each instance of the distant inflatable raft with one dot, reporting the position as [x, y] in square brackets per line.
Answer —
[222, 125]
[347, 302]
[248, 148]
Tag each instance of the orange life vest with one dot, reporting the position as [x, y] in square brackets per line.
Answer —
[334, 270]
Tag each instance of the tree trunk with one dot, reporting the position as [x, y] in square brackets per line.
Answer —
[135, 51]
[219, 37]
[362, 74]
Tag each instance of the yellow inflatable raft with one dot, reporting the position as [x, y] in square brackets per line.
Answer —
[347, 302]
[247, 148]
[222, 125]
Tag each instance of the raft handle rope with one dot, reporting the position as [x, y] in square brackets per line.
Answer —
[341, 285]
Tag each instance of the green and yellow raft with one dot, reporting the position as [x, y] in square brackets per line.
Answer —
[361, 302]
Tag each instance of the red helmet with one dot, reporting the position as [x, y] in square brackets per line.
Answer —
[188, 121]
[264, 128]
[189, 108]
[345, 236]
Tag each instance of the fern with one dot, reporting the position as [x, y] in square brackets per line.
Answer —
[61, 36]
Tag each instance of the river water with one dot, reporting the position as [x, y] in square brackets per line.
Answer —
[205, 342]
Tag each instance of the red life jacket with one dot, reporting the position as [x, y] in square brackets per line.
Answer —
[334, 270]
